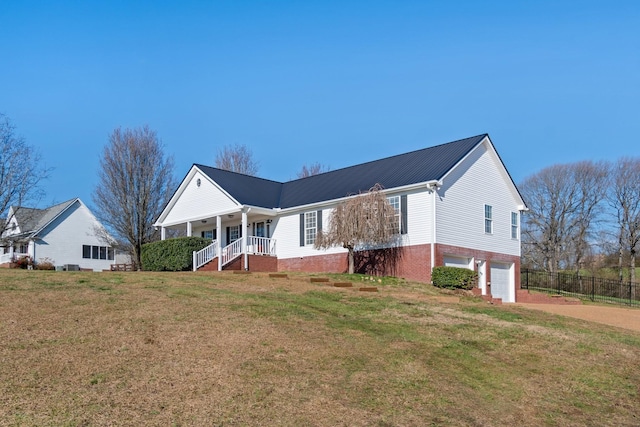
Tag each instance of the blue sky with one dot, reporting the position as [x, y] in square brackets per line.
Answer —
[335, 82]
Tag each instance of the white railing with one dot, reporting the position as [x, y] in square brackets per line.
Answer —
[261, 246]
[205, 255]
[232, 251]
[255, 246]
[9, 257]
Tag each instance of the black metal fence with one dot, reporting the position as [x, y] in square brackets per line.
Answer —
[583, 287]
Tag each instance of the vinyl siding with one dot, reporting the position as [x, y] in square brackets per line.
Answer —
[195, 202]
[287, 234]
[62, 240]
[460, 206]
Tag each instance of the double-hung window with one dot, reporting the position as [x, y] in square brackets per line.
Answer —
[310, 227]
[488, 219]
[234, 233]
[514, 225]
[394, 201]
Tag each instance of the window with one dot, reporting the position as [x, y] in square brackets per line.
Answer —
[208, 234]
[310, 227]
[97, 252]
[488, 219]
[394, 201]
[234, 233]
[514, 225]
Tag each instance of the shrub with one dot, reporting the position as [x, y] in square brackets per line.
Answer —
[171, 254]
[454, 278]
[45, 264]
[24, 262]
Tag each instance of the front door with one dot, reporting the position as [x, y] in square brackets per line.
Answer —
[260, 229]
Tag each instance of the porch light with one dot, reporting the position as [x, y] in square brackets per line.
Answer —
[230, 215]
[204, 221]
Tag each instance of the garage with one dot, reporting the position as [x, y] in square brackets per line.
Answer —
[502, 283]
[454, 261]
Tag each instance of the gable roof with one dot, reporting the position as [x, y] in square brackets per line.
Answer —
[31, 220]
[428, 164]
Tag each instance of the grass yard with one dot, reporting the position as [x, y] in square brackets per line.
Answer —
[220, 349]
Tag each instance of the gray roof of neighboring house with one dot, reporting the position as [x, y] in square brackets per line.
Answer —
[428, 164]
[31, 220]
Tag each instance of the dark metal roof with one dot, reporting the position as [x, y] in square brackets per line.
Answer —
[424, 165]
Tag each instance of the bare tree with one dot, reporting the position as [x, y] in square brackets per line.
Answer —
[564, 205]
[237, 158]
[21, 171]
[136, 181]
[365, 221]
[313, 169]
[624, 198]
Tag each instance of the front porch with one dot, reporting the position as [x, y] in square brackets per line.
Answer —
[247, 253]
[238, 233]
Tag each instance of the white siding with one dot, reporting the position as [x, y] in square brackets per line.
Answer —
[287, 234]
[199, 202]
[460, 206]
[419, 218]
[62, 240]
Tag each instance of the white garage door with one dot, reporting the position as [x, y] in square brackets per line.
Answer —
[502, 282]
[453, 261]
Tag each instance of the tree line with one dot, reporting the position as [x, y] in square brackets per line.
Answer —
[583, 215]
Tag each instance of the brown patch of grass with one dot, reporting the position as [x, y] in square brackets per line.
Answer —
[225, 349]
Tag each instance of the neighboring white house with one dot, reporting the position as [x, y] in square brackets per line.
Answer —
[65, 234]
[456, 203]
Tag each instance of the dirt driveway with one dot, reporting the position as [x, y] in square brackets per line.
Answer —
[627, 318]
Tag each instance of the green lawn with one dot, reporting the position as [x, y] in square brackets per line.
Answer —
[85, 349]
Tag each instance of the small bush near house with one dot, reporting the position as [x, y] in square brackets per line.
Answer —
[24, 262]
[171, 254]
[454, 278]
[45, 264]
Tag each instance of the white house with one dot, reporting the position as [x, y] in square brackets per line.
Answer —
[456, 202]
[66, 234]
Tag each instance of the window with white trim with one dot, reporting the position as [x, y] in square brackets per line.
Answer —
[514, 225]
[394, 201]
[310, 227]
[97, 252]
[234, 233]
[488, 219]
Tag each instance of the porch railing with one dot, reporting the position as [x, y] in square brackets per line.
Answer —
[261, 246]
[232, 251]
[205, 255]
[9, 257]
[255, 246]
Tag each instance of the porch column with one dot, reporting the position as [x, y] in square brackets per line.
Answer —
[188, 229]
[11, 249]
[245, 233]
[163, 233]
[219, 241]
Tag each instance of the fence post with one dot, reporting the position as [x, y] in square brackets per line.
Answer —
[593, 288]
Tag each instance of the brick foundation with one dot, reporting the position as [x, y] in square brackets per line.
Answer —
[257, 263]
